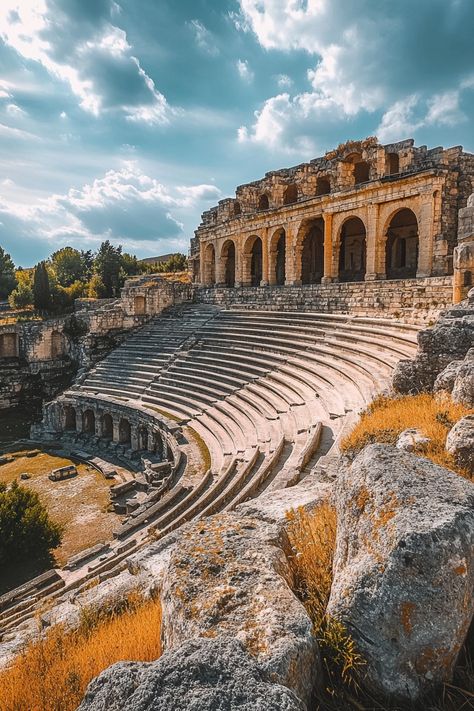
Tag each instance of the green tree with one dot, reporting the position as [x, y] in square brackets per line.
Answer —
[87, 264]
[26, 531]
[7, 274]
[97, 288]
[21, 297]
[130, 265]
[176, 263]
[68, 265]
[107, 265]
[41, 288]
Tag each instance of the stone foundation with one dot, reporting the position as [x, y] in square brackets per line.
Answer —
[413, 300]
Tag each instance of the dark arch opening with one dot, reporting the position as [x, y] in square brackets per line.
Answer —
[125, 431]
[323, 186]
[312, 254]
[256, 265]
[70, 418]
[361, 172]
[228, 255]
[280, 259]
[402, 246]
[237, 208]
[107, 426]
[88, 422]
[352, 251]
[263, 202]
[290, 195]
[393, 163]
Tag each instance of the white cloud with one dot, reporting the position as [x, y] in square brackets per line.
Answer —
[91, 57]
[399, 121]
[284, 81]
[243, 68]
[204, 39]
[444, 109]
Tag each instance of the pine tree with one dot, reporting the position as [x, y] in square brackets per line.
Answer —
[7, 274]
[107, 265]
[41, 288]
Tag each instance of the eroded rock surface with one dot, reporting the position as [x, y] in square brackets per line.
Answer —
[202, 675]
[460, 442]
[404, 567]
[463, 387]
[228, 575]
[412, 440]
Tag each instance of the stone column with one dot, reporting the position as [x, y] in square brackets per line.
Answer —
[116, 430]
[265, 258]
[290, 256]
[134, 444]
[246, 269]
[328, 249]
[371, 240]
[79, 420]
[220, 270]
[201, 263]
[425, 237]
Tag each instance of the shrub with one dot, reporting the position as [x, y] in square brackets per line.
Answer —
[387, 417]
[52, 674]
[26, 531]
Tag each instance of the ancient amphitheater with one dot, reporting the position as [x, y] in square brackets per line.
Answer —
[308, 288]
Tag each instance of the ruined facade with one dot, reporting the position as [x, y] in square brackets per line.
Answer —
[364, 211]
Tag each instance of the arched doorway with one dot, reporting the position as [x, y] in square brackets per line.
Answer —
[352, 250]
[263, 202]
[228, 260]
[256, 264]
[401, 252]
[290, 195]
[88, 422]
[323, 186]
[140, 305]
[312, 253]
[209, 265]
[125, 431]
[69, 418]
[278, 257]
[107, 426]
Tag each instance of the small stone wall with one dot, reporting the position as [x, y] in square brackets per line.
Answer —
[413, 300]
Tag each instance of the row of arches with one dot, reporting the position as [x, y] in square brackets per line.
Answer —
[357, 171]
[401, 253]
[102, 425]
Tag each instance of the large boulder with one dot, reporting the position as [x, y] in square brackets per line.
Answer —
[463, 388]
[229, 576]
[460, 442]
[202, 675]
[446, 379]
[404, 568]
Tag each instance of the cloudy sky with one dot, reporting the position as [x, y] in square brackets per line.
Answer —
[125, 119]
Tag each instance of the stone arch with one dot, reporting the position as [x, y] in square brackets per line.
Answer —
[352, 250]
[9, 345]
[88, 421]
[290, 195]
[237, 208]
[263, 202]
[360, 168]
[228, 262]
[323, 186]
[143, 437]
[57, 344]
[139, 305]
[312, 251]
[253, 260]
[402, 245]
[125, 431]
[278, 257]
[209, 265]
[392, 163]
[107, 426]
[70, 422]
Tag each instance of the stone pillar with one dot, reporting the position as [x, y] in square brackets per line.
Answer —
[116, 430]
[220, 270]
[372, 246]
[265, 259]
[328, 250]
[246, 269]
[425, 237]
[134, 444]
[463, 258]
[290, 256]
[79, 420]
[201, 263]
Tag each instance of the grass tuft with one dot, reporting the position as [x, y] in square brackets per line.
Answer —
[387, 417]
[52, 673]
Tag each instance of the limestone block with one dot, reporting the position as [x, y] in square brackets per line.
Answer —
[460, 442]
[404, 568]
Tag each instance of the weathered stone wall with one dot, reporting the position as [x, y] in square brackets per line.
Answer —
[414, 300]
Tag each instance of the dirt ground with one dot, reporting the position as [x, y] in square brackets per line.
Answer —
[79, 503]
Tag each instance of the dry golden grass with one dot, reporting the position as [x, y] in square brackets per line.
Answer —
[313, 538]
[387, 417]
[53, 673]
